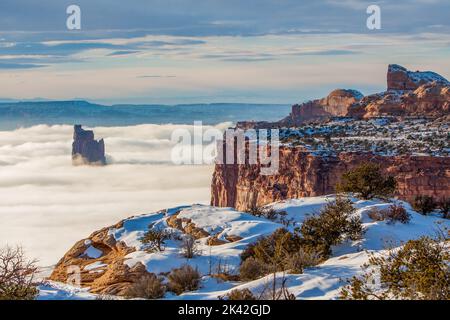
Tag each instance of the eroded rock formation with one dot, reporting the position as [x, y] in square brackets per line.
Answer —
[400, 78]
[336, 104]
[98, 263]
[85, 149]
[408, 94]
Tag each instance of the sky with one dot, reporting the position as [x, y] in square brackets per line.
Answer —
[192, 51]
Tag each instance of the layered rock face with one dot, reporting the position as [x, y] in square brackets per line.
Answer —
[336, 104]
[302, 174]
[429, 100]
[399, 78]
[408, 94]
[85, 149]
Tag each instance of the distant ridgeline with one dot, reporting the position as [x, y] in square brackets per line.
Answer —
[85, 149]
[15, 115]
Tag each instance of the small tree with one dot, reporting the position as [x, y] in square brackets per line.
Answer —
[155, 239]
[367, 182]
[417, 271]
[189, 248]
[333, 225]
[268, 213]
[424, 204]
[17, 275]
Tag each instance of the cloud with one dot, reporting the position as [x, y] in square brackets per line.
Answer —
[46, 19]
[328, 53]
[12, 65]
[122, 52]
[156, 76]
[47, 204]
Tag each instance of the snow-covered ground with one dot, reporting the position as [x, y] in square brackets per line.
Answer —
[381, 136]
[321, 282]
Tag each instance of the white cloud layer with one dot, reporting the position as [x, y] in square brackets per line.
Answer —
[46, 204]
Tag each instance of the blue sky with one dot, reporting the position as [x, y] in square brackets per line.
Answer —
[186, 51]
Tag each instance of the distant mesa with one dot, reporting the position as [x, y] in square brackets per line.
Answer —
[408, 94]
[85, 149]
[399, 78]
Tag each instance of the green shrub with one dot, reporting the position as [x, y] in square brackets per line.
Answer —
[367, 182]
[280, 251]
[148, 286]
[332, 226]
[184, 279]
[417, 271]
[273, 249]
[268, 213]
[424, 204]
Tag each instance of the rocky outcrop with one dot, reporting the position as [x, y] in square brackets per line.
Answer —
[408, 94]
[399, 78]
[430, 100]
[186, 226]
[423, 94]
[98, 262]
[303, 174]
[85, 149]
[336, 104]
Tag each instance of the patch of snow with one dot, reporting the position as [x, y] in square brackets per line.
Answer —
[59, 291]
[93, 252]
[220, 222]
[95, 265]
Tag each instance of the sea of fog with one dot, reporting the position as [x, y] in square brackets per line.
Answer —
[46, 204]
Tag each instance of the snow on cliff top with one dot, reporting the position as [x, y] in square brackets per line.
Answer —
[418, 76]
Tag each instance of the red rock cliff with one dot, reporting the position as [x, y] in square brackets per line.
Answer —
[302, 174]
[409, 93]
